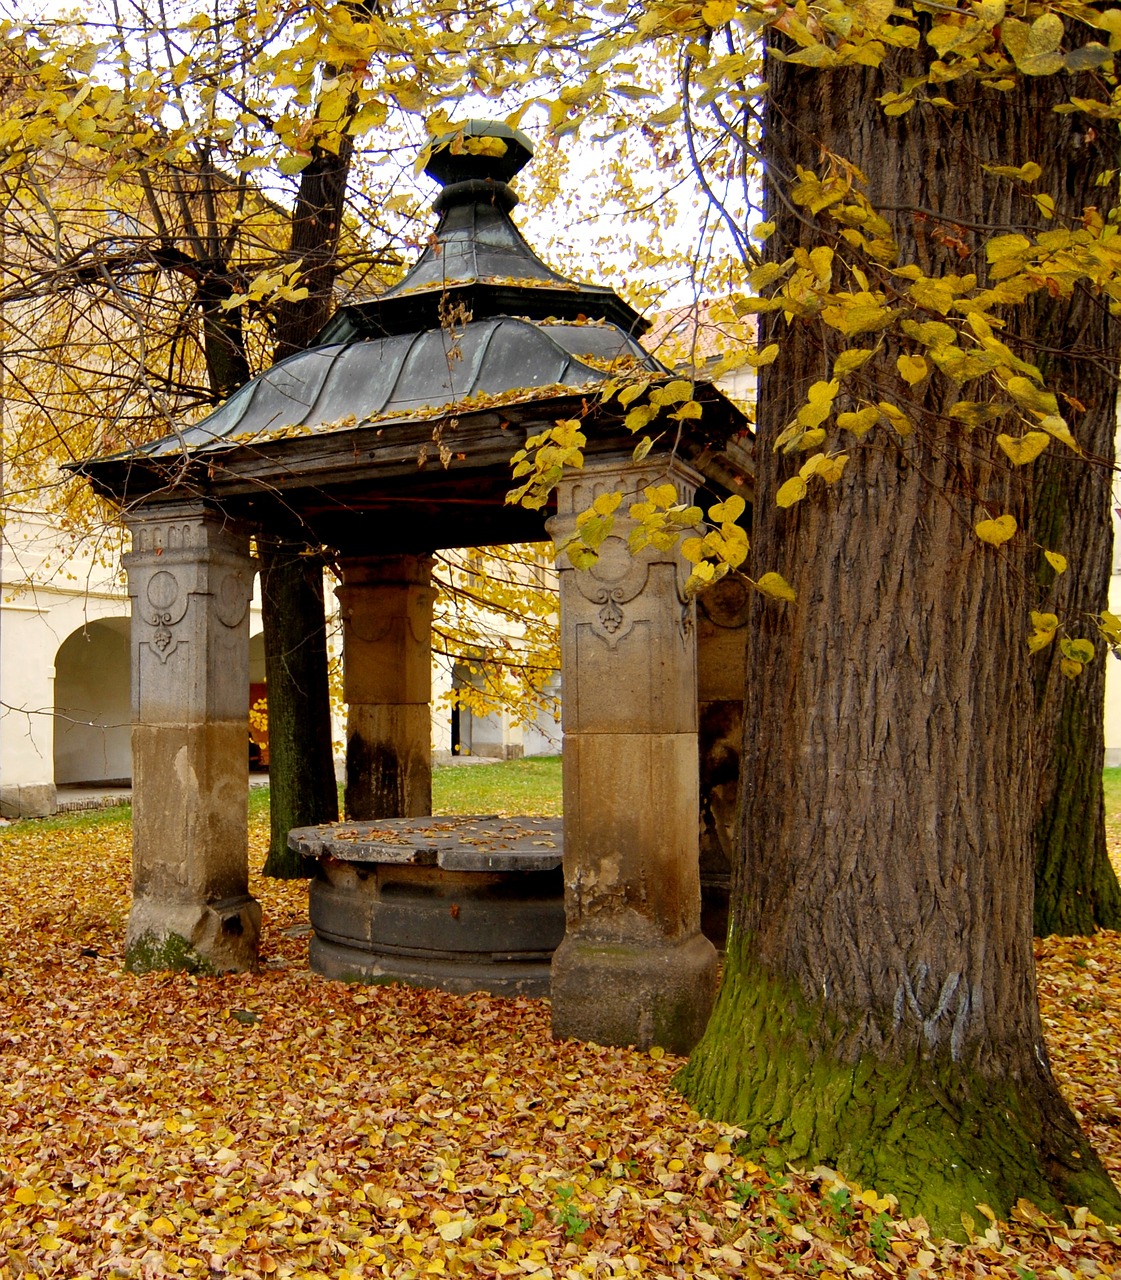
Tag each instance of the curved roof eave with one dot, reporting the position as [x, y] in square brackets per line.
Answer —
[414, 376]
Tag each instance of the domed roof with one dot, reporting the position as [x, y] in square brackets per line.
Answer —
[413, 375]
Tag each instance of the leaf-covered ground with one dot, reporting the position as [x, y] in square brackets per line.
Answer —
[278, 1124]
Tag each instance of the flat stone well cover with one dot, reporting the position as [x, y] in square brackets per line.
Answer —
[465, 904]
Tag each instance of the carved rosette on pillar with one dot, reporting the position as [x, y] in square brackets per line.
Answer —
[634, 968]
[190, 579]
[386, 606]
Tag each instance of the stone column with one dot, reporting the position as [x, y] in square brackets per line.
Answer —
[721, 669]
[386, 606]
[634, 967]
[190, 578]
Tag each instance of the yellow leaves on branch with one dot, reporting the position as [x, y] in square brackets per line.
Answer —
[543, 461]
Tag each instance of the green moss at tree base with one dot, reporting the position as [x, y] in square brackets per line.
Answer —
[939, 1137]
[149, 954]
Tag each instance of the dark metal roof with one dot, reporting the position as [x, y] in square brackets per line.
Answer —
[350, 384]
[331, 445]
[477, 259]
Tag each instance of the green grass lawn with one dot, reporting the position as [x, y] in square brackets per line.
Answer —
[531, 786]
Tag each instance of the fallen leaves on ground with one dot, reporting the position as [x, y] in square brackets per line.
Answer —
[280, 1125]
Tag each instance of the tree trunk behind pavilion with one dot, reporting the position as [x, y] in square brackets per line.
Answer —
[302, 788]
[879, 1010]
[1076, 888]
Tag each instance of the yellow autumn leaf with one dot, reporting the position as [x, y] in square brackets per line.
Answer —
[1056, 426]
[851, 360]
[1022, 173]
[860, 422]
[672, 393]
[975, 414]
[912, 369]
[794, 490]
[1004, 247]
[833, 468]
[874, 1200]
[896, 417]
[718, 13]
[1028, 396]
[996, 532]
[819, 403]
[776, 586]
[1034, 48]
[632, 392]
[1078, 650]
[1057, 561]
[729, 510]
[1026, 448]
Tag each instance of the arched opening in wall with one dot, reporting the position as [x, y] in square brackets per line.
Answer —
[258, 705]
[93, 707]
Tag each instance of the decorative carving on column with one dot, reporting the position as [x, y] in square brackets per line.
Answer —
[633, 967]
[190, 579]
[167, 606]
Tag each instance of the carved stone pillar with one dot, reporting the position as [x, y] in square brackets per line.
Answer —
[634, 967]
[386, 606]
[721, 669]
[190, 578]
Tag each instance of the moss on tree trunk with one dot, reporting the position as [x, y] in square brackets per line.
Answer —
[939, 1136]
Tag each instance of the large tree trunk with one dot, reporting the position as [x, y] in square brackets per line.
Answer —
[1076, 888]
[302, 788]
[879, 1010]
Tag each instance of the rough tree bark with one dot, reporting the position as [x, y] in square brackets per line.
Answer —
[879, 1010]
[1076, 889]
[302, 789]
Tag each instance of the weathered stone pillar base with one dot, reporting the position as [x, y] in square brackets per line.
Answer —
[635, 828]
[190, 578]
[389, 761]
[634, 968]
[189, 816]
[211, 937]
[641, 994]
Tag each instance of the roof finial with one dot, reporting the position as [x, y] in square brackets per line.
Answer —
[478, 150]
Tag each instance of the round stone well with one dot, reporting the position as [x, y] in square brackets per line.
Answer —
[460, 903]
